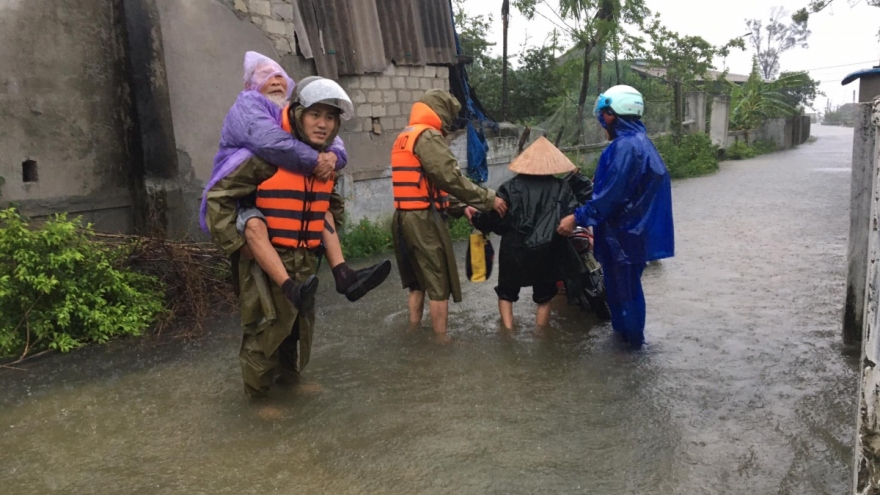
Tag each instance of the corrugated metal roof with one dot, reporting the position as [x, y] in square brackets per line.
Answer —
[437, 31]
[351, 37]
[316, 24]
[401, 32]
[369, 47]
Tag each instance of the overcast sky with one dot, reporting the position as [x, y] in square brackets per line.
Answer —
[842, 35]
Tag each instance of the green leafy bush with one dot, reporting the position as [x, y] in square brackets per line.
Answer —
[460, 229]
[367, 238]
[742, 151]
[695, 156]
[60, 290]
[364, 239]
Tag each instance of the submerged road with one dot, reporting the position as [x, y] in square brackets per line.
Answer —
[743, 387]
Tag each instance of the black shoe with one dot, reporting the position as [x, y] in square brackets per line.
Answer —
[367, 280]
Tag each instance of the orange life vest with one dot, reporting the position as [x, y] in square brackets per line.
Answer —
[294, 205]
[412, 190]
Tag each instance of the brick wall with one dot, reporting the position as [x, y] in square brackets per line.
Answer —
[383, 101]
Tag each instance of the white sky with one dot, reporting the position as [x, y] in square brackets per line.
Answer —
[841, 35]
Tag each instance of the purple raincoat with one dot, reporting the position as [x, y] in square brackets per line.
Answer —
[253, 127]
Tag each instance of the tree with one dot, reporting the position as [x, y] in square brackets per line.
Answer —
[780, 37]
[472, 31]
[684, 60]
[757, 99]
[590, 24]
[816, 6]
[484, 73]
[802, 95]
[536, 82]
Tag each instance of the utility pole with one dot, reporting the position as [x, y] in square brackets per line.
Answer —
[505, 17]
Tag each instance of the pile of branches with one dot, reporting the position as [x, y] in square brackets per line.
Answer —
[196, 275]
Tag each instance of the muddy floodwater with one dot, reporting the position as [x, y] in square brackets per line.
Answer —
[743, 387]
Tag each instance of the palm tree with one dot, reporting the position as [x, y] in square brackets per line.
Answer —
[757, 99]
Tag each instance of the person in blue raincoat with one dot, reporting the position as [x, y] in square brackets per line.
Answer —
[631, 209]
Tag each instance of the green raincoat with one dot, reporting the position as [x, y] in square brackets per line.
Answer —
[272, 327]
[270, 321]
[422, 245]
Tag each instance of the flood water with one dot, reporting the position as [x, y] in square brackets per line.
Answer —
[743, 387]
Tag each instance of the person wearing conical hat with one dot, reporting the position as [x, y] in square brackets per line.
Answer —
[530, 246]
[631, 209]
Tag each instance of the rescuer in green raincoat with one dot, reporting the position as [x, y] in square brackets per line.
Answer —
[277, 338]
[422, 244]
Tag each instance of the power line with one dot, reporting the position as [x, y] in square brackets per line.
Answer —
[834, 66]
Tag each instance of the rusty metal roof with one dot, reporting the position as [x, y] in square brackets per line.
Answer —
[369, 47]
[351, 37]
[437, 31]
[401, 31]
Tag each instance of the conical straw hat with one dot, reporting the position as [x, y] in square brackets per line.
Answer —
[542, 158]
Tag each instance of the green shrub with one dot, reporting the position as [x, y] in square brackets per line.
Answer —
[459, 228]
[742, 151]
[60, 290]
[367, 238]
[695, 156]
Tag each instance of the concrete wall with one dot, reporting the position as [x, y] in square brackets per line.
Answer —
[866, 218]
[205, 43]
[783, 132]
[696, 112]
[719, 121]
[863, 165]
[63, 104]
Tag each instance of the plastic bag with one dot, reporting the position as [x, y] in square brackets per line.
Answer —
[480, 257]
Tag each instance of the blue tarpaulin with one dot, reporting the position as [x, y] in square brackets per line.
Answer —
[474, 118]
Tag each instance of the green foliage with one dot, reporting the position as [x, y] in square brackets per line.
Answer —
[364, 239]
[802, 91]
[814, 6]
[368, 238]
[459, 228]
[695, 156]
[742, 151]
[60, 290]
[756, 100]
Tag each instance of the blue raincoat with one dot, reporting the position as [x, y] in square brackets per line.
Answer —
[631, 208]
[631, 212]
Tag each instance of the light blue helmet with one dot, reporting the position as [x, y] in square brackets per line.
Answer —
[623, 100]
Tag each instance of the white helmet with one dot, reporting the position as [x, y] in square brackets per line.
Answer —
[623, 100]
[316, 89]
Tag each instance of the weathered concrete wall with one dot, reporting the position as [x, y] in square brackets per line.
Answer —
[205, 43]
[866, 476]
[696, 112]
[863, 163]
[63, 104]
[783, 132]
[719, 121]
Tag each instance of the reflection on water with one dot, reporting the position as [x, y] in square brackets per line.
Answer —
[742, 387]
